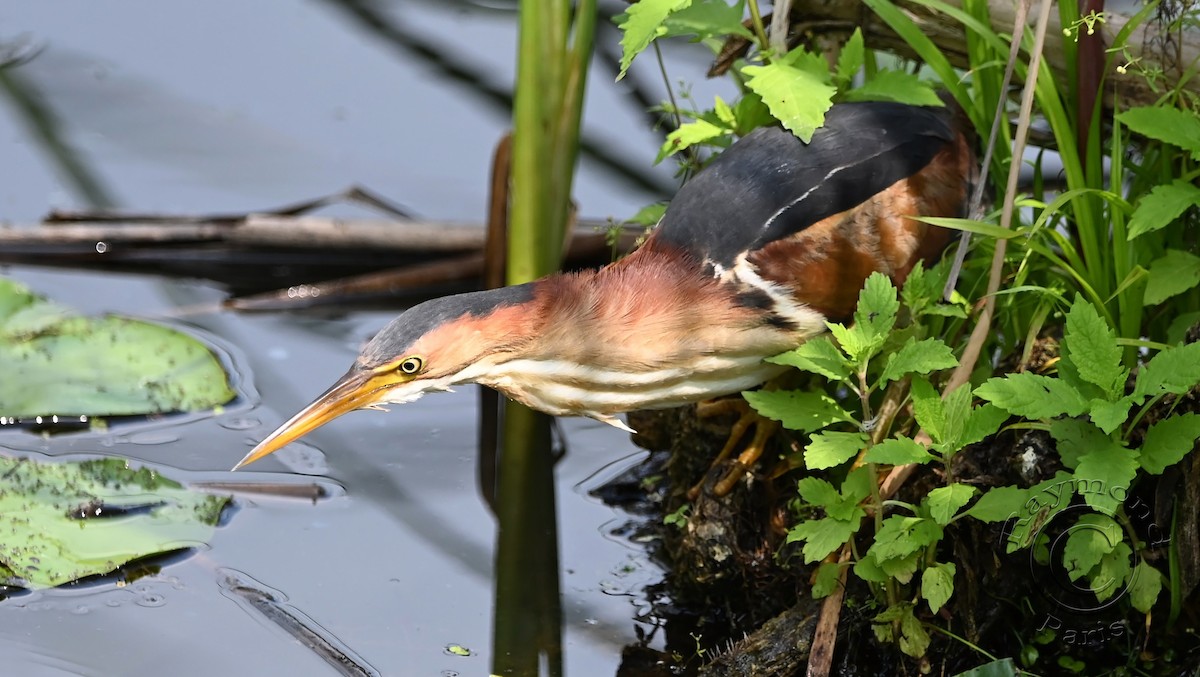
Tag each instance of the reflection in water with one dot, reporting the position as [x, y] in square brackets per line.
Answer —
[272, 606]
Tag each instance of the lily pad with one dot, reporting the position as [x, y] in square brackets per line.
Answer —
[60, 522]
[59, 363]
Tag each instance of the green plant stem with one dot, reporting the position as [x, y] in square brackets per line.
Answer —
[760, 32]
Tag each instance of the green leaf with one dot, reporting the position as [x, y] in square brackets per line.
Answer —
[819, 356]
[797, 409]
[1002, 667]
[707, 19]
[649, 215]
[937, 585]
[1104, 475]
[823, 536]
[901, 536]
[1033, 396]
[1110, 576]
[830, 449]
[1174, 273]
[853, 341]
[914, 640]
[1093, 348]
[59, 364]
[642, 24]
[1109, 416]
[1178, 329]
[1074, 437]
[1175, 371]
[689, 134]
[817, 491]
[958, 411]
[1162, 205]
[945, 502]
[850, 59]
[877, 308]
[796, 88]
[929, 409]
[1168, 441]
[897, 86]
[999, 504]
[898, 451]
[1164, 123]
[1145, 583]
[1091, 538]
[868, 570]
[826, 581]
[902, 569]
[751, 113]
[53, 536]
[918, 357]
[982, 422]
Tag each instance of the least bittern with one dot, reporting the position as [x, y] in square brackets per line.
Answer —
[752, 257]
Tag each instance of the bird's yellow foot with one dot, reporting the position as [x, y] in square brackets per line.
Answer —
[764, 428]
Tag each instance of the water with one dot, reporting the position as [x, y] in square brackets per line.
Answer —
[225, 106]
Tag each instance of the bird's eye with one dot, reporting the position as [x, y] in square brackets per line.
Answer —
[411, 365]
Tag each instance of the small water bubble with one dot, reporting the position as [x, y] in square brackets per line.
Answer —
[101, 247]
[114, 603]
[151, 600]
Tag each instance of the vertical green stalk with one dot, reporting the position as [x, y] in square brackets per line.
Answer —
[554, 50]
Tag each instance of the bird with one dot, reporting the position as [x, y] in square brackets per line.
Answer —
[753, 255]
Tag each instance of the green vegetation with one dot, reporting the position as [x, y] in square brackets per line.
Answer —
[60, 363]
[1078, 290]
[67, 521]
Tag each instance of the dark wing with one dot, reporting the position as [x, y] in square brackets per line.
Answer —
[770, 185]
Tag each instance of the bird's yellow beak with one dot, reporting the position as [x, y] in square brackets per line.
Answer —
[356, 390]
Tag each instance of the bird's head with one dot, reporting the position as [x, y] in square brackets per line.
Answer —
[430, 347]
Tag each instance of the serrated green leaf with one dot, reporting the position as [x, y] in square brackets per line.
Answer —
[898, 451]
[1033, 396]
[1178, 329]
[1145, 584]
[1113, 571]
[816, 491]
[914, 640]
[826, 580]
[850, 59]
[797, 90]
[1091, 538]
[983, 422]
[958, 411]
[831, 449]
[945, 502]
[1109, 416]
[1003, 667]
[1093, 348]
[901, 536]
[819, 356]
[707, 19]
[751, 113]
[858, 484]
[823, 536]
[853, 342]
[999, 504]
[1075, 437]
[937, 585]
[1162, 205]
[1168, 441]
[641, 24]
[1043, 502]
[689, 134]
[902, 569]
[1104, 475]
[897, 86]
[877, 307]
[1174, 126]
[798, 410]
[918, 357]
[1173, 273]
[928, 409]
[723, 112]
[1175, 370]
